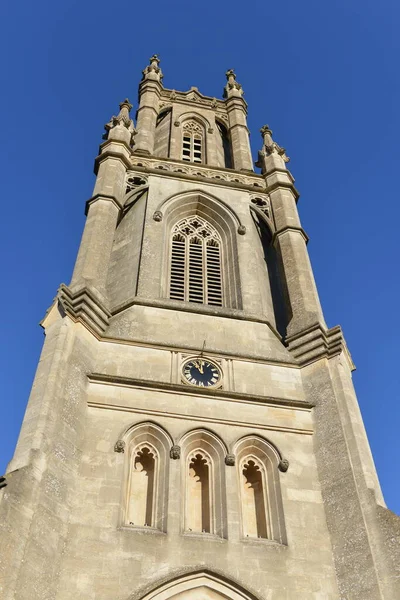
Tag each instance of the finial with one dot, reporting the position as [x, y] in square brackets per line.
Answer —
[154, 59]
[122, 121]
[126, 104]
[153, 71]
[232, 88]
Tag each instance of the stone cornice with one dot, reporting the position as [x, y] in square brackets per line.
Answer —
[204, 309]
[193, 98]
[112, 154]
[316, 342]
[195, 172]
[82, 305]
[283, 230]
[196, 391]
[107, 197]
[270, 187]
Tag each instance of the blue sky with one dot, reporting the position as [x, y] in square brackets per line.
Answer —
[324, 76]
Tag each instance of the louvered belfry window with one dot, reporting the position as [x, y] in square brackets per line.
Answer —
[195, 270]
[192, 142]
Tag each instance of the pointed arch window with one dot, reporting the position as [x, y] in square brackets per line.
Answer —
[192, 142]
[196, 262]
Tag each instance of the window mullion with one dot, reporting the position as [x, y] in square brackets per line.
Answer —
[205, 271]
[186, 282]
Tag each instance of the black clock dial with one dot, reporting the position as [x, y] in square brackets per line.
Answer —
[201, 372]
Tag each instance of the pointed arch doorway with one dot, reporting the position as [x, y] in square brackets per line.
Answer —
[199, 585]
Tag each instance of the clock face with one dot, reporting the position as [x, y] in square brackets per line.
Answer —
[202, 372]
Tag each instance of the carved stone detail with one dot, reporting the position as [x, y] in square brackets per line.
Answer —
[262, 204]
[175, 452]
[241, 229]
[230, 460]
[253, 181]
[283, 465]
[158, 216]
[119, 446]
[134, 181]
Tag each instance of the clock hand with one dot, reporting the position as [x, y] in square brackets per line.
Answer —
[201, 365]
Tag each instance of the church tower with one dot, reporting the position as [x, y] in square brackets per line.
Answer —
[193, 431]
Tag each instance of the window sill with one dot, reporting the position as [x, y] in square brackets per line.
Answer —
[262, 541]
[209, 537]
[141, 530]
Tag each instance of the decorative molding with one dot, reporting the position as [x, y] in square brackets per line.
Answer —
[199, 172]
[196, 391]
[83, 305]
[119, 446]
[135, 180]
[193, 97]
[158, 216]
[230, 460]
[241, 229]
[175, 452]
[263, 204]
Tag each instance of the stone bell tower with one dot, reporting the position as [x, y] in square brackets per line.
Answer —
[192, 430]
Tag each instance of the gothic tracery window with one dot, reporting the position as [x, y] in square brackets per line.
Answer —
[195, 268]
[254, 507]
[192, 142]
[199, 501]
[142, 487]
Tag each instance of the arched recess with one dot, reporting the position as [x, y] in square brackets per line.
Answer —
[259, 488]
[200, 584]
[146, 476]
[203, 479]
[226, 223]
[223, 145]
[273, 272]
[163, 133]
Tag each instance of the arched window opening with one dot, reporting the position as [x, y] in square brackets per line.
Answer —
[198, 496]
[254, 504]
[195, 269]
[141, 495]
[192, 142]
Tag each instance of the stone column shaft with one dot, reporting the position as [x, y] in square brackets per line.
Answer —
[290, 240]
[147, 117]
[241, 153]
[91, 267]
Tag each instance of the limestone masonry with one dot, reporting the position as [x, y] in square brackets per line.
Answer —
[193, 430]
